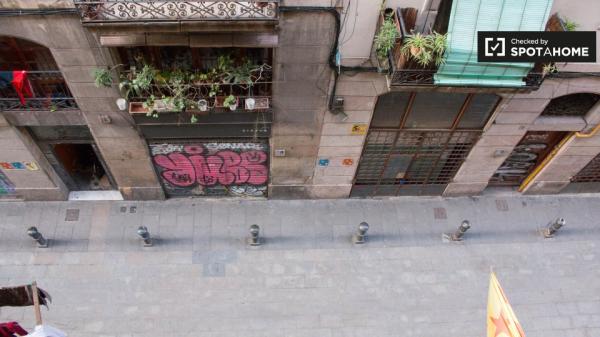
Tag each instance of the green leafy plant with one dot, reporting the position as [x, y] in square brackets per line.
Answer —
[426, 49]
[570, 26]
[386, 38]
[138, 82]
[102, 77]
[549, 68]
[438, 47]
[229, 101]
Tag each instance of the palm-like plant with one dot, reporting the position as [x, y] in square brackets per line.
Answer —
[425, 49]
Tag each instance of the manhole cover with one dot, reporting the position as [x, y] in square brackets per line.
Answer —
[72, 214]
[132, 209]
[502, 205]
[123, 209]
[439, 213]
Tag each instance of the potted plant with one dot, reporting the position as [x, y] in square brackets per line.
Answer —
[385, 41]
[257, 103]
[425, 50]
[231, 102]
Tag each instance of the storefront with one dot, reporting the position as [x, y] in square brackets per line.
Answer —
[418, 141]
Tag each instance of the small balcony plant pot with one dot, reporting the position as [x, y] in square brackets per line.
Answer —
[137, 108]
[260, 103]
[203, 105]
[161, 105]
[220, 103]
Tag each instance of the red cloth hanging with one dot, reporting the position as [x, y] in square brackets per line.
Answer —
[11, 328]
[21, 84]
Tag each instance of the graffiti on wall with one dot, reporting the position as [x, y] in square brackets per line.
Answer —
[212, 169]
[19, 165]
[6, 186]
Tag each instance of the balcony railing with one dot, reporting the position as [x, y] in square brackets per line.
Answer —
[50, 93]
[406, 72]
[200, 10]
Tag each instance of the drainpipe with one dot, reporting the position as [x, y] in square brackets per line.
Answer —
[555, 152]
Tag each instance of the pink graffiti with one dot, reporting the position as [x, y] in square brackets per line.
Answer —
[224, 167]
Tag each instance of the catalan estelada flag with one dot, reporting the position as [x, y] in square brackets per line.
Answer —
[501, 320]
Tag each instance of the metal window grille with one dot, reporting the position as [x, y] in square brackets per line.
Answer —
[590, 173]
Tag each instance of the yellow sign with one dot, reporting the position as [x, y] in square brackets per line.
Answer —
[359, 129]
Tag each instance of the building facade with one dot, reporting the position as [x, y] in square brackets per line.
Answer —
[282, 99]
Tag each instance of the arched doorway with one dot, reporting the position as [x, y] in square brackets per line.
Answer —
[32, 84]
[535, 146]
[418, 141]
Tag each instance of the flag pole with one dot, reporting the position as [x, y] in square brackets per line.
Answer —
[36, 303]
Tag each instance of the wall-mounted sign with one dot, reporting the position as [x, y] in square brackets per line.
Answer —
[359, 129]
[348, 162]
[19, 165]
[323, 162]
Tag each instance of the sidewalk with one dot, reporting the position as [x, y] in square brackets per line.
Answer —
[308, 279]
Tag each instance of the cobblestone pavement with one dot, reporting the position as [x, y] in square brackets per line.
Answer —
[308, 279]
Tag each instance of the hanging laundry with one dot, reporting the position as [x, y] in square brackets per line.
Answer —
[6, 78]
[21, 84]
[11, 328]
[22, 296]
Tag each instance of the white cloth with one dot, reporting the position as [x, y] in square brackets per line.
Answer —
[46, 331]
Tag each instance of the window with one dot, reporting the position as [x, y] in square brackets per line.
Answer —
[434, 110]
[479, 110]
[571, 105]
[390, 108]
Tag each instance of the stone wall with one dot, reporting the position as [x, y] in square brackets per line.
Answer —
[516, 115]
[300, 92]
[342, 138]
[77, 54]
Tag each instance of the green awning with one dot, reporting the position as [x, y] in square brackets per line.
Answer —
[470, 16]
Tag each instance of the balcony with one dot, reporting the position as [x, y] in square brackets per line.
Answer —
[107, 11]
[405, 71]
[50, 93]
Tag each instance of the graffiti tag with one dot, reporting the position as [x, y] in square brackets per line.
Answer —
[6, 186]
[189, 166]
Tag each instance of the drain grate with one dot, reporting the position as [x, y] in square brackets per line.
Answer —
[440, 213]
[501, 205]
[72, 214]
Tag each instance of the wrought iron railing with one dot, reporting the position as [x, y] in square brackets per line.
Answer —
[406, 72]
[149, 10]
[50, 92]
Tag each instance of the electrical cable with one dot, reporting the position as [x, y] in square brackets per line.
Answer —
[332, 64]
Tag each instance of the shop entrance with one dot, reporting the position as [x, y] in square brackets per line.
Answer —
[74, 156]
[525, 157]
[82, 168]
[418, 141]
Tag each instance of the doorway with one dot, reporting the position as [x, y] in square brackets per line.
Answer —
[418, 141]
[83, 169]
[525, 157]
[74, 156]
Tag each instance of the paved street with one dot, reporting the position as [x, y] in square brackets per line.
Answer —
[308, 280]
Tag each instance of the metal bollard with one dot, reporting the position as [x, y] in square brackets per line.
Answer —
[254, 239]
[553, 227]
[37, 236]
[361, 235]
[460, 231]
[143, 232]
